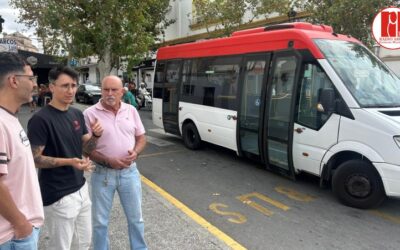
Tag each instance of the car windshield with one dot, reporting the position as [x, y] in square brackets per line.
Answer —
[93, 88]
[370, 81]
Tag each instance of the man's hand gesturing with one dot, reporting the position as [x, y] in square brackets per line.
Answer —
[97, 129]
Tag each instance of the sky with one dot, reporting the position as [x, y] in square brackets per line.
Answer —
[11, 25]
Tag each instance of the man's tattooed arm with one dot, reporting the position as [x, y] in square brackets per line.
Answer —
[42, 161]
[89, 145]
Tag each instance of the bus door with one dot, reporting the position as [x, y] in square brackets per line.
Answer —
[279, 110]
[170, 97]
[316, 127]
[250, 109]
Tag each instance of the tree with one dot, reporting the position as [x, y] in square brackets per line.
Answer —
[109, 29]
[227, 16]
[351, 17]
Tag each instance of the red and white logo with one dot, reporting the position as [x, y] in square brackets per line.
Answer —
[77, 126]
[386, 28]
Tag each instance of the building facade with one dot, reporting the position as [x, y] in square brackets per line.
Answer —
[390, 57]
[186, 28]
[23, 42]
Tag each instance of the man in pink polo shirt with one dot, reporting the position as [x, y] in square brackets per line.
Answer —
[21, 211]
[117, 149]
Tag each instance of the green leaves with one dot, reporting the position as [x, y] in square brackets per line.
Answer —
[95, 27]
[227, 16]
[350, 17]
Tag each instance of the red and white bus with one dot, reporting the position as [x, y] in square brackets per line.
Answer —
[296, 97]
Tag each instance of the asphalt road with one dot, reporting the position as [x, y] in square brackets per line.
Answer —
[260, 209]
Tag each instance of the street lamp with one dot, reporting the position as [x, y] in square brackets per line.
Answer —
[1, 24]
[291, 15]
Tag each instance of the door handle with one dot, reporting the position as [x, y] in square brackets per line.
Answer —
[180, 108]
[233, 117]
[299, 130]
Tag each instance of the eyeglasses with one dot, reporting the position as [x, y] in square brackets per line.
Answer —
[32, 78]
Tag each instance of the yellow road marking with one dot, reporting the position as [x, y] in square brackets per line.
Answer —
[246, 199]
[194, 216]
[394, 219]
[160, 153]
[240, 218]
[293, 194]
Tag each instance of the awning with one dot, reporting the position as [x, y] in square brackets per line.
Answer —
[42, 61]
[145, 64]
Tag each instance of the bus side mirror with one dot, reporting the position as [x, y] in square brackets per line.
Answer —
[326, 102]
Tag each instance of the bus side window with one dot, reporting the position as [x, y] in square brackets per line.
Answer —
[282, 85]
[187, 88]
[159, 80]
[172, 74]
[313, 81]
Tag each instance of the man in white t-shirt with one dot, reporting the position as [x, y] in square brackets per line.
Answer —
[21, 210]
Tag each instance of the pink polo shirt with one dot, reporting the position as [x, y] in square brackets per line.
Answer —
[119, 130]
[18, 174]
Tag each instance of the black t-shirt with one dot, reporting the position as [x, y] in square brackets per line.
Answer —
[61, 133]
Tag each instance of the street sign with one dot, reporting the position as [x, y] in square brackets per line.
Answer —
[8, 45]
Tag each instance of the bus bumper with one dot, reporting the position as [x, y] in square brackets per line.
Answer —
[390, 177]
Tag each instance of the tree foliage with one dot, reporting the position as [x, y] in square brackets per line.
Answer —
[226, 16]
[352, 17]
[109, 29]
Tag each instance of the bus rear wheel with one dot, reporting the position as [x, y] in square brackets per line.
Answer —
[191, 136]
[356, 183]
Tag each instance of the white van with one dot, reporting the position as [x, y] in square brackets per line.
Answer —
[296, 97]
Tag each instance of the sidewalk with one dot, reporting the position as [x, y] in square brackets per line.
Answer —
[166, 227]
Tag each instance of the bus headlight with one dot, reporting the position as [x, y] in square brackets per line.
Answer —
[397, 140]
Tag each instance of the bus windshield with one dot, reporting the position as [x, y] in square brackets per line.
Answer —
[370, 81]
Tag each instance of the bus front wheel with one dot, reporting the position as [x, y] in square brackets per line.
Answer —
[356, 183]
[191, 136]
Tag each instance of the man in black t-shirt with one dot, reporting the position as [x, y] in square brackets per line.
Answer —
[59, 137]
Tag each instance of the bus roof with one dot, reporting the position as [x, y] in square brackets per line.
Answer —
[270, 38]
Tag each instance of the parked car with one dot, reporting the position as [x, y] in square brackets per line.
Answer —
[88, 93]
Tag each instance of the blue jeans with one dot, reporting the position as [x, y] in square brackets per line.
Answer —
[126, 182]
[28, 243]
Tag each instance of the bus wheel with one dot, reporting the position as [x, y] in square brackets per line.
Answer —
[356, 183]
[191, 136]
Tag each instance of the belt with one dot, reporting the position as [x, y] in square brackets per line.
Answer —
[106, 165]
[102, 164]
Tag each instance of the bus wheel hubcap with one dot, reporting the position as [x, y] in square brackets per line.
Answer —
[358, 186]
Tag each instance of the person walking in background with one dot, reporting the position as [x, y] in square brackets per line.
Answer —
[59, 138]
[132, 88]
[21, 211]
[42, 91]
[115, 157]
[35, 95]
[129, 98]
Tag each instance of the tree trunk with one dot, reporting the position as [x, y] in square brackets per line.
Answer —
[104, 64]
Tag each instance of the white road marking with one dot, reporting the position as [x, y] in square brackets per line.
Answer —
[158, 142]
[158, 131]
